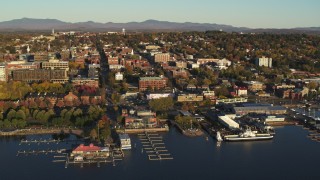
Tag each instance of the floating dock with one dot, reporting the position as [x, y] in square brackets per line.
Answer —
[154, 146]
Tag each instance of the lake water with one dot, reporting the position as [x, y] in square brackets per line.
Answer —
[290, 155]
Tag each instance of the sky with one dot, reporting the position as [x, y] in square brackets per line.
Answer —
[239, 13]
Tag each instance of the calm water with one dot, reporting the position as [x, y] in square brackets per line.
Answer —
[291, 155]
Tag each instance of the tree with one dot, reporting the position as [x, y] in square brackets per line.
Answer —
[162, 104]
[11, 114]
[80, 121]
[6, 123]
[40, 115]
[93, 134]
[20, 115]
[312, 85]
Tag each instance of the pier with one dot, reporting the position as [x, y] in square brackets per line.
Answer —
[40, 141]
[154, 147]
[115, 155]
[36, 152]
[47, 141]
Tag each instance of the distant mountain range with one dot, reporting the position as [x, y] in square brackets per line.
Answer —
[28, 24]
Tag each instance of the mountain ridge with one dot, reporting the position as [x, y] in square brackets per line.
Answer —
[30, 24]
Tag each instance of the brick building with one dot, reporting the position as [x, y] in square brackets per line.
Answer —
[113, 60]
[31, 75]
[162, 57]
[152, 82]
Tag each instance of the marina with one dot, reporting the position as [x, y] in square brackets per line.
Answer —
[137, 165]
[154, 147]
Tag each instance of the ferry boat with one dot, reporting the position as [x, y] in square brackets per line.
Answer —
[125, 141]
[248, 135]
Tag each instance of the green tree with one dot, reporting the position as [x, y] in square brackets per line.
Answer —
[162, 104]
[20, 115]
[6, 123]
[93, 134]
[11, 114]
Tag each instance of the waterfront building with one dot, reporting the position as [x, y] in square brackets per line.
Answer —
[152, 83]
[89, 152]
[125, 141]
[143, 119]
[228, 122]
[259, 109]
[264, 61]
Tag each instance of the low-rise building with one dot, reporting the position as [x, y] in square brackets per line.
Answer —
[255, 86]
[260, 109]
[161, 57]
[3, 73]
[36, 75]
[152, 83]
[113, 60]
[158, 95]
[118, 76]
[273, 118]
[181, 64]
[85, 81]
[264, 61]
[55, 64]
[241, 91]
[189, 97]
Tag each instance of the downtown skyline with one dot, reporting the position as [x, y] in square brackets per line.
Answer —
[246, 13]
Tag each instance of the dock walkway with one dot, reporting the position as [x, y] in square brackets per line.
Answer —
[154, 146]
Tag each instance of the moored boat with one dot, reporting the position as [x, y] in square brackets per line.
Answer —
[248, 135]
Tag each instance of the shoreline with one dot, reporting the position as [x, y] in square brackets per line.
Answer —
[133, 131]
[22, 132]
[189, 133]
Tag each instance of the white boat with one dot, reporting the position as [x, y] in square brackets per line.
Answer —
[248, 135]
[125, 141]
[218, 136]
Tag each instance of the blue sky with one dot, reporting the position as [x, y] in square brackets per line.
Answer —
[244, 13]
